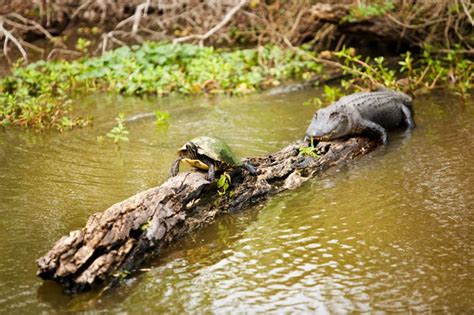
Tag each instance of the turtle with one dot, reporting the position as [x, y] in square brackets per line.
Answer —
[208, 153]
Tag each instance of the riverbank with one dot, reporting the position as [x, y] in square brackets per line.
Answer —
[38, 96]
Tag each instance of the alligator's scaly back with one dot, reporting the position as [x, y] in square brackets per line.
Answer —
[365, 112]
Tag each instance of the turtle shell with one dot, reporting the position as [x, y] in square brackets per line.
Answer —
[213, 148]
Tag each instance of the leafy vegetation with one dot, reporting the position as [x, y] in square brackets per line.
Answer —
[308, 150]
[38, 96]
[365, 11]
[119, 132]
[161, 118]
[223, 183]
[427, 72]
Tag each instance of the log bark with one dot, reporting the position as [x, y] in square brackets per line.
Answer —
[119, 240]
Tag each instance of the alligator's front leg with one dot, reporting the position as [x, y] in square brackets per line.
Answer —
[370, 126]
[408, 116]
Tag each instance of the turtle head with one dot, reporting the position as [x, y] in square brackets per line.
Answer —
[328, 125]
[189, 150]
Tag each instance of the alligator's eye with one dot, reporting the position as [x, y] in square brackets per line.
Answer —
[334, 115]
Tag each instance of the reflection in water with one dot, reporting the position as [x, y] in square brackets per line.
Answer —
[391, 232]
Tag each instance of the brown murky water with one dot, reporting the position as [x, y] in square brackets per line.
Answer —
[391, 232]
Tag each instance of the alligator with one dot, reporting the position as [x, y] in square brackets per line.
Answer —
[362, 113]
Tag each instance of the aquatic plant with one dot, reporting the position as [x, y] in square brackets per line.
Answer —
[119, 132]
[161, 117]
[39, 95]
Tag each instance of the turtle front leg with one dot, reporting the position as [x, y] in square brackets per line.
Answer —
[175, 167]
[250, 168]
[211, 174]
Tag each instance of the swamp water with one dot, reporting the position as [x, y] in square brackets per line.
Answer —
[392, 231]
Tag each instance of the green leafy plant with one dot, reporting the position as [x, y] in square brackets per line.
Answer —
[161, 118]
[39, 95]
[365, 11]
[82, 44]
[308, 150]
[122, 274]
[119, 132]
[330, 95]
[223, 183]
[426, 72]
[365, 71]
[145, 225]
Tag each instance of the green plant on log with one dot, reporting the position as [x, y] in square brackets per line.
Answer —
[119, 132]
[309, 150]
[223, 184]
[145, 225]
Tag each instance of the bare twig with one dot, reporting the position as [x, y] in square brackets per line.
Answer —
[213, 30]
[333, 63]
[63, 51]
[467, 12]
[81, 7]
[9, 36]
[141, 10]
[32, 22]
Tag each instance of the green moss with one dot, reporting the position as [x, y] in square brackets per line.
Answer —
[37, 96]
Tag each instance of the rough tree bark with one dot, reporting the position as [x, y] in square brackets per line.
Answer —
[118, 240]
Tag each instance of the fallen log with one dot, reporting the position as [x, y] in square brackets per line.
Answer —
[119, 240]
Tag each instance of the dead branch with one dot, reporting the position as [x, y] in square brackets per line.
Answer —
[216, 28]
[9, 36]
[141, 10]
[323, 24]
[468, 11]
[118, 241]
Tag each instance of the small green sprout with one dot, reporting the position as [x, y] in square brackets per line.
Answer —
[82, 44]
[161, 117]
[119, 132]
[309, 151]
[223, 183]
[145, 225]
